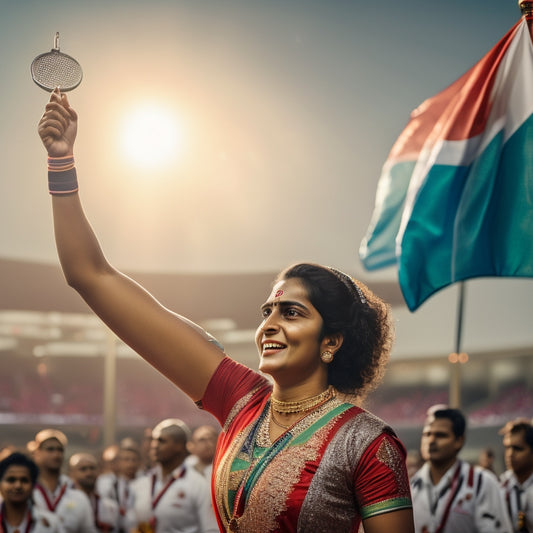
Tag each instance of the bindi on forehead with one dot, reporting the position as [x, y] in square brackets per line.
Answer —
[290, 289]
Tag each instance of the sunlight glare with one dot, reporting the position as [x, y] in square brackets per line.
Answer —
[151, 137]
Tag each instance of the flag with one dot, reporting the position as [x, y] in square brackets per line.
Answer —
[455, 196]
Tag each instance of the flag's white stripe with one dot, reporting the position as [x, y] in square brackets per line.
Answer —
[513, 87]
[512, 105]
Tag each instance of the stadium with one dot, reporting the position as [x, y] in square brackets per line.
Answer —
[61, 367]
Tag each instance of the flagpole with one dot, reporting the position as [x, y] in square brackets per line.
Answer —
[526, 8]
[456, 362]
[456, 359]
[110, 386]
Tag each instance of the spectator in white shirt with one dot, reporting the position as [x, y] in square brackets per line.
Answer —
[202, 448]
[449, 495]
[118, 487]
[517, 480]
[108, 466]
[54, 491]
[18, 475]
[174, 498]
[83, 470]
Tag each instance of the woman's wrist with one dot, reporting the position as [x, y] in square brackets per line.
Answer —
[62, 178]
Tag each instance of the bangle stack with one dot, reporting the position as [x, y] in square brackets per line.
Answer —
[62, 178]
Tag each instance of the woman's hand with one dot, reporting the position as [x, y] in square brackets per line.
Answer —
[58, 126]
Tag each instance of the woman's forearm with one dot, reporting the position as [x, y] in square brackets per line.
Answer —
[79, 252]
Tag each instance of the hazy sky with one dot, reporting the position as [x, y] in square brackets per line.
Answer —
[286, 111]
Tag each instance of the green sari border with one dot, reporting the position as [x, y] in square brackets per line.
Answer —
[386, 506]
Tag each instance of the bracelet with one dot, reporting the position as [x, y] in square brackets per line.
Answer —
[62, 178]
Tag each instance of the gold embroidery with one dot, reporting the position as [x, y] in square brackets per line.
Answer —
[225, 480]
[389, 456]
[267, 498]
[238, 407]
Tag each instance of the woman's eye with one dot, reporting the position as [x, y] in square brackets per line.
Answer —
[265, 312]
[290, 312]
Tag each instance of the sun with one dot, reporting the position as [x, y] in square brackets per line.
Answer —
[152, 137]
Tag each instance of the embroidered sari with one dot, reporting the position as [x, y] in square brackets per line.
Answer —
[335, 467]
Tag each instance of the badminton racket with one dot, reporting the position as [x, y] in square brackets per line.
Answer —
[56, 69]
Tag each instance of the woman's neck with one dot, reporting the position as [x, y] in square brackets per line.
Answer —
[287, 407]
[301, 391]
[14, 513]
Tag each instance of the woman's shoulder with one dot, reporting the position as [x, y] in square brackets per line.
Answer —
[233, 386]
[363, 422]
[364, 433]
[372, 423]
[231, 373]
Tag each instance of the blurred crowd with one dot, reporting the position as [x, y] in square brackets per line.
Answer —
[159, 484]
[162, 483]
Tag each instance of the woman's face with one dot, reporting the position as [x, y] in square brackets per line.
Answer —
[288, 338]
[16, 485]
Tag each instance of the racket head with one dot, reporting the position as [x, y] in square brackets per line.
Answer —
[56, 69]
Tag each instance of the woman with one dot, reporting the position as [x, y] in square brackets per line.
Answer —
[292, 456]
[18, 475]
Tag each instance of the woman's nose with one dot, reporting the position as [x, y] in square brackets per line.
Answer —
[270, 323]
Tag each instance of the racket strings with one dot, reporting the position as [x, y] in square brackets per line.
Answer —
[56, 69]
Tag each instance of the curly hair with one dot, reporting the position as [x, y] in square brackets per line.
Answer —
[349, 307]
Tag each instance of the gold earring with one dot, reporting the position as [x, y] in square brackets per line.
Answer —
[326, 356]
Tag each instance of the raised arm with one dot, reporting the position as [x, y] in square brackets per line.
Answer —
[175, 346]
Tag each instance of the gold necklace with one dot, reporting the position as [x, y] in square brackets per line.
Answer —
[273, 418]
[300, 406]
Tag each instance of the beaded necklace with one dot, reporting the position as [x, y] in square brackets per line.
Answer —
[301, 406]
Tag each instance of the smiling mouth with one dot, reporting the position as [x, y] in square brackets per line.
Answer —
[271, 347]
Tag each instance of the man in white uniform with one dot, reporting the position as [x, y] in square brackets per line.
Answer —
[449, 495]
[54, 491]
[202, 447]
[109, 469]
[517, 481]
[118, 486]
[174, 497]
[83, 470]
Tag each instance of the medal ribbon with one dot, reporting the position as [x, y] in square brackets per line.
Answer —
[51, 505]
[122, 502]
[454, 489]
[176, 476]
[102, 526]
[520, 513]
[521, 522]
[161, 493]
